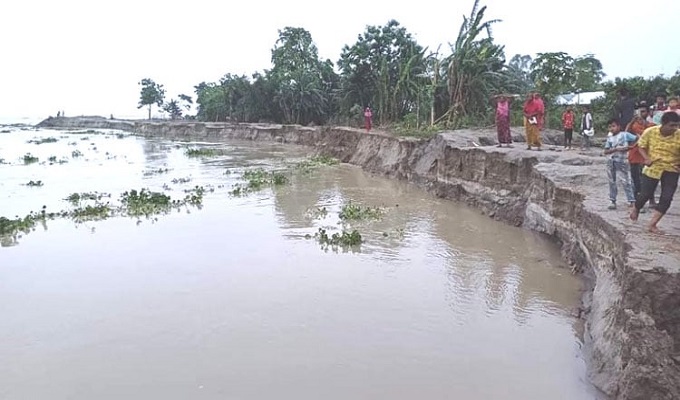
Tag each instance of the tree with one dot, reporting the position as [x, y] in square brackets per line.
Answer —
[187, 100]
[475, 69]
[297, 74]
[560, 73]
[150, 94]
[383, 69]
[172, 108]
[519, 69]
[553, 74]
[588, 74]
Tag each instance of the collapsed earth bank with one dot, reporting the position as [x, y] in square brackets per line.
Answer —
[632, 302]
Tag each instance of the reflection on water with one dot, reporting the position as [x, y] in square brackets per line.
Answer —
[232, 302]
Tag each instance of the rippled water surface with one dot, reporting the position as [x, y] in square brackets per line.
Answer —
[233, 300]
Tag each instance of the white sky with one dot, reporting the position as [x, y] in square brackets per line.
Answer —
[86, 57]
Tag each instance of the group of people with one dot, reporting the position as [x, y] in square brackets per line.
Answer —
[534, 121]
[642, 146]
[643, 149]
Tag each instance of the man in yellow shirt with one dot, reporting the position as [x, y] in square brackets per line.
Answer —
[660, 148]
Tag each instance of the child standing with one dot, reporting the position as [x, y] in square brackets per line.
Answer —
[616, 149]
[587, 129]
[568, 124]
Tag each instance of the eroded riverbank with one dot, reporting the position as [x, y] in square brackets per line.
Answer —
[632, 311]
[231, 297]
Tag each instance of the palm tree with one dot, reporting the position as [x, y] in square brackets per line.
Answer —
[474, 69]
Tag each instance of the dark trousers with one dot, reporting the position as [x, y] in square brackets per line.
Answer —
[669, 183]
[635, 176]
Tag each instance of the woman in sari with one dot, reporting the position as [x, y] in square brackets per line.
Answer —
[503, 120]
[534, 110]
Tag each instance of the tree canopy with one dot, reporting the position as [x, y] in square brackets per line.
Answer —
[402, 81]
[151, 93]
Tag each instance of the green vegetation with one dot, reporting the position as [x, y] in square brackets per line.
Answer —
[145, 202]
[76, 198]
[151, 93]
[353, 212]
[120, 136]
[202, 152]
[177, 181]
[44, 140]
[11, 227]
[34, 183]
[30, 159]
[258, 179]
[344, 239]
[91, 212]
[52, 159]
[413, 90]
[314, 163]
[76, 153]
[156, 172]
[142, 203]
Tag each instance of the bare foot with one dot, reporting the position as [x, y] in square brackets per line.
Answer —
[634, 213]
[655, 230]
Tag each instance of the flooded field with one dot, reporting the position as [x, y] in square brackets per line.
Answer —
[136, 268]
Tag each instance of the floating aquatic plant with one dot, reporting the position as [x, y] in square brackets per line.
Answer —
[43, 140]
[76, 198]
[344, 239]
[91, 212]
[76, 153]
[202, 152]
[30, 159]
[314, 163]
[34, 183]
[354, 212]
[258, 179]
[156, 172]
[181, 180]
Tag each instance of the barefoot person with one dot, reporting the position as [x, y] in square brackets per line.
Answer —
[533, 117]
[660, 149]
[637, 126]
[503, 120]
[616, 148]
[368, 119]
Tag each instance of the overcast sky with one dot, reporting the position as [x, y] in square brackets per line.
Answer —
[86, 57]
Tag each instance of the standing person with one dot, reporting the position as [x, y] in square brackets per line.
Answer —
[568, 124]
[587, 127]
[616, 148]
[534, 110]
[503, 120]
[637, 127]
[625, 108]
[659, 108]
[660, 148]
[368, 119]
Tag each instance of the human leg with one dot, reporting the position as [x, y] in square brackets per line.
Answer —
[611, 177]
[648, 186]
[624, 175]
[669, 184]
[635, 172]
[568, 136]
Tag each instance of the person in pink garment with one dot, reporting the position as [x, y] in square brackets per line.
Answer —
[368, 119]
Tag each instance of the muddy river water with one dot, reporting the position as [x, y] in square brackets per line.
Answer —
[235, 299]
